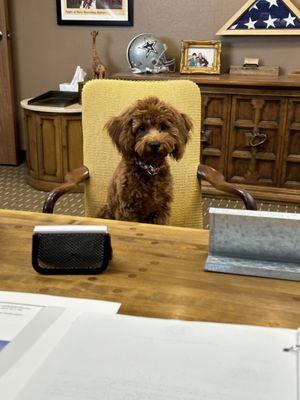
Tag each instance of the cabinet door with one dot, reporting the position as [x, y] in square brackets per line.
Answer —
[291, 155]
[72, 142]
[31, 139]
[49, 147]
[214, 127]
[255, 140]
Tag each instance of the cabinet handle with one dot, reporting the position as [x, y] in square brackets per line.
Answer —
[1, 35]
[205, 135]
[255, 139]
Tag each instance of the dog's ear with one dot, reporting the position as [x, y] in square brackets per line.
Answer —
[187, 123]
[114, 127]
[185, 126]
[119, 129]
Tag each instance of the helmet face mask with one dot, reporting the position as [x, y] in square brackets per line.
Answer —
[146, 53]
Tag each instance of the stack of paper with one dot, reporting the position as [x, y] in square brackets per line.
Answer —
[121, 358]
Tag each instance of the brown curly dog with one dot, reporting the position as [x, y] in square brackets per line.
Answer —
[141, 186]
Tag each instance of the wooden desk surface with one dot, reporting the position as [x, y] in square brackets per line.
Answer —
[156, 272]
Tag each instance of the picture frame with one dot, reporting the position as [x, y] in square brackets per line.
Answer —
[200, 57]
[95, 12]
[270, 17]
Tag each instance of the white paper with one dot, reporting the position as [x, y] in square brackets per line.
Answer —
[42, 300]
[128, 358]
[13, 318]
[17, 374]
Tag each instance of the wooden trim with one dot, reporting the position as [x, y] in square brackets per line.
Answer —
[225, 80]
[8, 119]
[72, 179]
[216, 179]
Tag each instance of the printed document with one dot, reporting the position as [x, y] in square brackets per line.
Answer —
[120, 358]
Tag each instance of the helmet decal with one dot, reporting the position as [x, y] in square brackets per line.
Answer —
[149, 47]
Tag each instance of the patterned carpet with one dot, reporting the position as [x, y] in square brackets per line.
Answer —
[15, 194]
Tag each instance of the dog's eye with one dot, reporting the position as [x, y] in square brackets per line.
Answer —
[142, 128]
[163, 127]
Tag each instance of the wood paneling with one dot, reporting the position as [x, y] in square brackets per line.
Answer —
[291, 156]
[254, 139]
[31, 136]
[214, 128]
[72, 143]
[49, 144]
[8, 139]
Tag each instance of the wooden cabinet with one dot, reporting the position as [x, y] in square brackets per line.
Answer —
[255, 137]
[215, 109]
[54, 146]
[250, 131]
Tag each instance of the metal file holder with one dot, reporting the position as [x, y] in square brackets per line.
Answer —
[256, 243]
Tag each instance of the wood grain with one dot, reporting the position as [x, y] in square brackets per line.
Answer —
[155, 272]
[8, 130]
[281, 81]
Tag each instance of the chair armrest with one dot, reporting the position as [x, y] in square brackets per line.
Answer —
[72, 179]
[217, 180]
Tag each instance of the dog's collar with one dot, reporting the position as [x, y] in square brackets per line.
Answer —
[149, 168]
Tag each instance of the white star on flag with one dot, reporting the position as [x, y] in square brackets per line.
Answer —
[270, 22]
[233, 26]
[272, 3]
[250, 24]
[254, 6]
[289, 20]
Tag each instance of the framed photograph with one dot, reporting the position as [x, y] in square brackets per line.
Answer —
[95, 12]
[200, 57]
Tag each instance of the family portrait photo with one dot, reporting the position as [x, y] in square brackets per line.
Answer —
[95, 12]
[203, 58]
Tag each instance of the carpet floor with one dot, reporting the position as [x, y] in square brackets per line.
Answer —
[16, 194]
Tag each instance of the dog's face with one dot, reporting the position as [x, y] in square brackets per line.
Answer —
[151, 130]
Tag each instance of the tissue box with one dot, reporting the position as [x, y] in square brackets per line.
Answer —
[67, 87]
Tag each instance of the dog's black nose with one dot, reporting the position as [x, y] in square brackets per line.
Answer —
[154, 146]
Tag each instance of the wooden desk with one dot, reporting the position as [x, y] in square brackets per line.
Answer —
[156, 272]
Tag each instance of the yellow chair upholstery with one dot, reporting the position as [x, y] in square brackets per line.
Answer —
[103, 99]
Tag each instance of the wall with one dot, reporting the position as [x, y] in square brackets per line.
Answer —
[46, 54]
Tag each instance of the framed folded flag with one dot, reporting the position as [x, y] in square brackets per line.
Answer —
[264, 17]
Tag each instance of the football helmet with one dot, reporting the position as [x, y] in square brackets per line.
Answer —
[146, 53]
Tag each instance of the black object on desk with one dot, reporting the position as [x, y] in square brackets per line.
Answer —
[70, 250]
[55, 98]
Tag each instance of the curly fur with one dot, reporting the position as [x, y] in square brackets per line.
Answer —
[134, 194]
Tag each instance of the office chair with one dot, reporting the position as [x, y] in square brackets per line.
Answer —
[103, 99]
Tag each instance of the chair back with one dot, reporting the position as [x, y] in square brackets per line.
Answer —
[104, 99]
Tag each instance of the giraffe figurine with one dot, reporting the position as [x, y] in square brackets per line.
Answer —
[98, 68]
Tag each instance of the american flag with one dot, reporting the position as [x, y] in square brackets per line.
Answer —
[267, 14]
